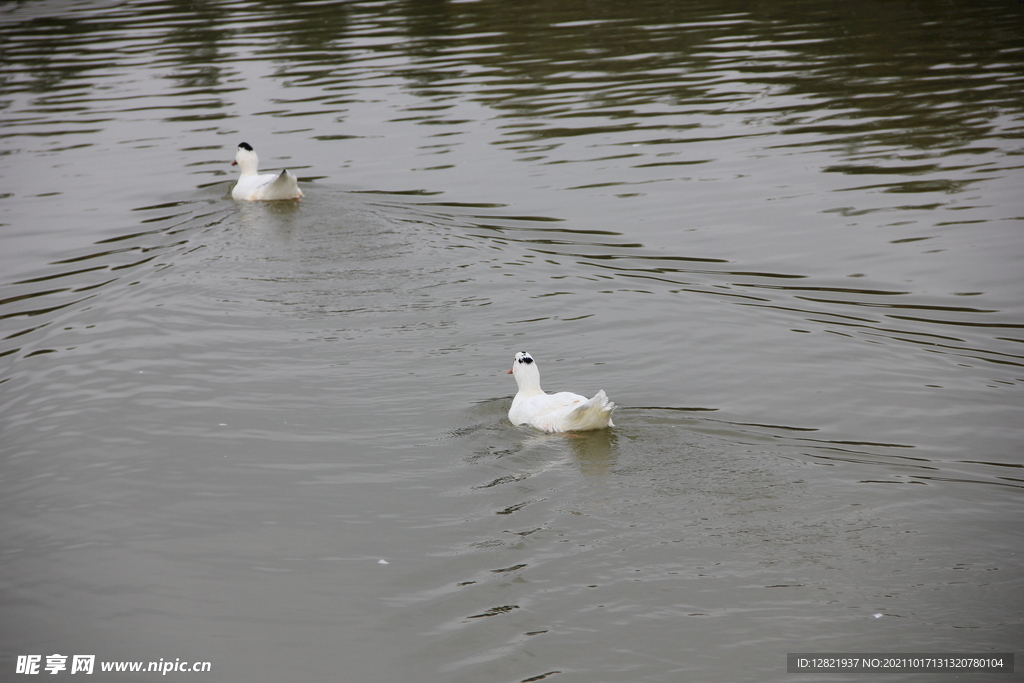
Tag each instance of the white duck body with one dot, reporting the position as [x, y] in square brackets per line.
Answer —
[253, 186]
[561, 412]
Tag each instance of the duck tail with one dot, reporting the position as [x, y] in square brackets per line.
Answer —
[284, 186]
[594, 414]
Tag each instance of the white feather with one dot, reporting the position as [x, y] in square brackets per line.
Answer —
[253, 186]
[561, 412]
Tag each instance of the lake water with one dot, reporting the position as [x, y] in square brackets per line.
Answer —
[786, 238]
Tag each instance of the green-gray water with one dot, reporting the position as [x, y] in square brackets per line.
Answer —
[785, 237]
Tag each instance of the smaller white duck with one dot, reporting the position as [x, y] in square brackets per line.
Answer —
[253, 186]
[561, 412]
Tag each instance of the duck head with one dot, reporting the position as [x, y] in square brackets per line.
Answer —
[246, 159]
[524, 369]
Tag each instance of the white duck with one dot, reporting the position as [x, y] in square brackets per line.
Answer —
[561, 412]
[254, 186]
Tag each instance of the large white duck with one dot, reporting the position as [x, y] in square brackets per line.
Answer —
[561, 412]
[252, 185]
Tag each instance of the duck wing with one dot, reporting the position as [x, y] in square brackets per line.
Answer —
[564, 412]
[595, 413]
[282, 186]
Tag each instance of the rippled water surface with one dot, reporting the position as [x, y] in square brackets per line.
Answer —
[786, 238]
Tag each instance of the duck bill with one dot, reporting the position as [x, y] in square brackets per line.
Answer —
[509, 372]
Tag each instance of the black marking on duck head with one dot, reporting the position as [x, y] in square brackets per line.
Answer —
[524, 357]
[246, 146]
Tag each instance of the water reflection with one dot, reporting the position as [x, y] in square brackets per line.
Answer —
[594, 452]
[276, 219]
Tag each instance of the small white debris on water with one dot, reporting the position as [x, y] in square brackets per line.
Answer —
[878, 615]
